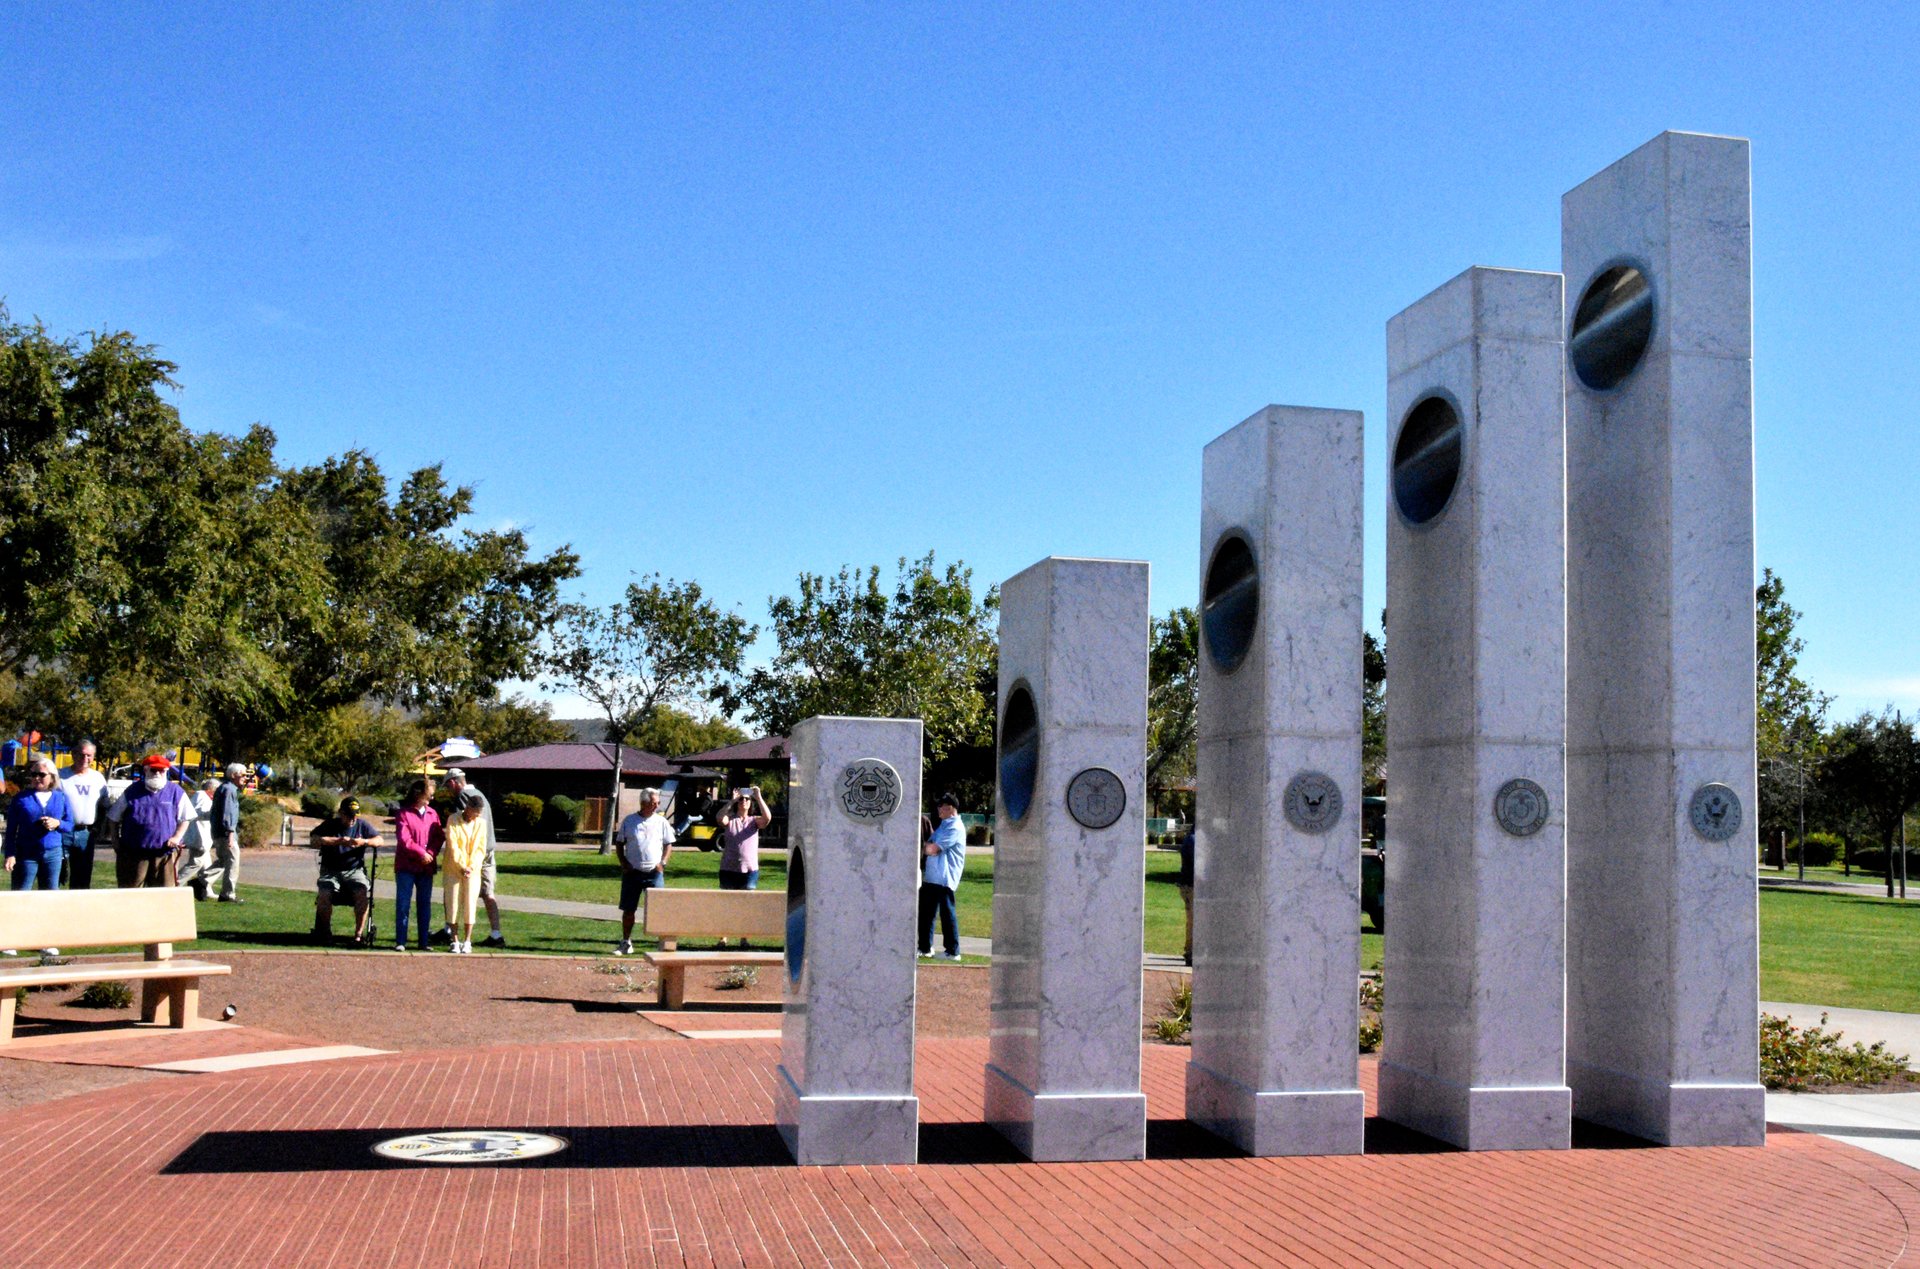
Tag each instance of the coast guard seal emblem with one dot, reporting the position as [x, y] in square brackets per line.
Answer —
[869, 789]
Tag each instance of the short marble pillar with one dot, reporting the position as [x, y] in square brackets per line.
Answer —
[1475, 1045]
[1663, 947]
[845, 1084]
[1069, 875]
[1276, 951]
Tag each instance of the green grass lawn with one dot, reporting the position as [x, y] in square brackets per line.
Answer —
[1846, 950]
[283, 919]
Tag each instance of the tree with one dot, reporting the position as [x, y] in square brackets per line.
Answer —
[665, 643]
[359, 745]
[1874, 765]
[495, 725]
[671, 732]
[846, 645]
[1173, 715]
[261, 594]
[1789, 715]
[1373, 708]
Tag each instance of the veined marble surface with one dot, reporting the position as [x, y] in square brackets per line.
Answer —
[1475, 1023]
[1276, 908]
[1064, 1077]
[1663, 941]
[845, 1093]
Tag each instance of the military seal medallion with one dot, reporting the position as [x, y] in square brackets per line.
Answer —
[1313, 802]
[869, 789]
[1715, 812]
[1096, 798]
[1521, 807]
[470, 1146]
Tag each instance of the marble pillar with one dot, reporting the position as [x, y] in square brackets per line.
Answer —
[845, 1085]
[1474, 1051]
[1662, 975]
[1063, 1082]
[1276, 897]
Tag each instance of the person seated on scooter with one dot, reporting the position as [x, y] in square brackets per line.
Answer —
[343, 841]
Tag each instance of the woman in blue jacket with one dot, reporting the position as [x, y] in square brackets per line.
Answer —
[37, 826]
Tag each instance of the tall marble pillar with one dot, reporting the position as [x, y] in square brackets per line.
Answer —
[1662, 976]
[1276, 911]
[845, 1088]
[1474, 1051]
[1069, 876]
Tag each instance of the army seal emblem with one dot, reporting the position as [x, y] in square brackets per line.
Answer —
[1313, 802]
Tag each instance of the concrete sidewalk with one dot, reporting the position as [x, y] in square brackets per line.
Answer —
[1888, 1124]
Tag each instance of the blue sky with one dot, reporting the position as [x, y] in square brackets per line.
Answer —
[737, 291]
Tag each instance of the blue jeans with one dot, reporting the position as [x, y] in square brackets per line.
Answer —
[938, 901]
[731, 880]
[415, 890]
[41, 873]
[80, 859]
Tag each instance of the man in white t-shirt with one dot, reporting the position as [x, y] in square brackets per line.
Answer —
[83, 784]
[646, 842]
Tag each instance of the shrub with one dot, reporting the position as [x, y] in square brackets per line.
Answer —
[1821, 849]
[518, 816]
[105, 996]
[738, 977]
[319, 803]
[1796, 1058]
[1175, 1026]
[562, 817]
[1873, 859]
[1373, 1000]
[259, 821]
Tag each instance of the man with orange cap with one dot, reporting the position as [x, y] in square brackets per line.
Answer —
[153, 815]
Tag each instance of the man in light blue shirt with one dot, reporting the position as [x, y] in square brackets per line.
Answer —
[946, 858]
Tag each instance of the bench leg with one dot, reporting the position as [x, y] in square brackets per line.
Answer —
[6, 1016]
[183, 1000]
[673, 986]
[153, 1000]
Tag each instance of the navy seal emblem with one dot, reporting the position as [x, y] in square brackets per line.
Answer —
[1313, 802]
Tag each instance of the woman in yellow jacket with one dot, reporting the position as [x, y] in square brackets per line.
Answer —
[460, 864]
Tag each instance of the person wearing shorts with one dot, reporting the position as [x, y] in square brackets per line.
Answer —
[343, 841]
[645, 840]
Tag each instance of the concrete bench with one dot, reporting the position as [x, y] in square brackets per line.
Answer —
[673, 967]
[156, 918]
[673, 915]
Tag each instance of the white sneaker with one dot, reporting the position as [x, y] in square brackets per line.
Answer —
[623, 948]
[466, 947]
[49, 951]
[8, 952]
[946, 956]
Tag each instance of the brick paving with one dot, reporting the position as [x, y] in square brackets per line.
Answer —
[673, 1161]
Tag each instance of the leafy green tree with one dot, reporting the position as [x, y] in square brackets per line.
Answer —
[1373, 708]
[1173, 677]
[664, 643]
[848, 645]
[671, 732]
[495, 725]
[1789, 715]
[1873, 766]
[359, 745]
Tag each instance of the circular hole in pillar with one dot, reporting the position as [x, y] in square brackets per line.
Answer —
[1426, 459]
[796, 914]
[1019, 752]
[1611, 327]
[1230, 602]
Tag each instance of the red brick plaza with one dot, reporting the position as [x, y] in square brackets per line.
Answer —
[673, 1160]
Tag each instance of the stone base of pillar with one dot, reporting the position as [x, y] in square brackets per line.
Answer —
[1066, 1127]
[1478, 1118]
[829, 1131]
[1277, 1123]
[1670, 1113]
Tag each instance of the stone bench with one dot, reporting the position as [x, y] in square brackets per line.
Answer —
[156, 918]
[674, 914]
[673, 967]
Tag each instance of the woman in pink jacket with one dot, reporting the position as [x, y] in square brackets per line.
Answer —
[418, 838]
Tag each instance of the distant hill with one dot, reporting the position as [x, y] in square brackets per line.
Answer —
[585, 730]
